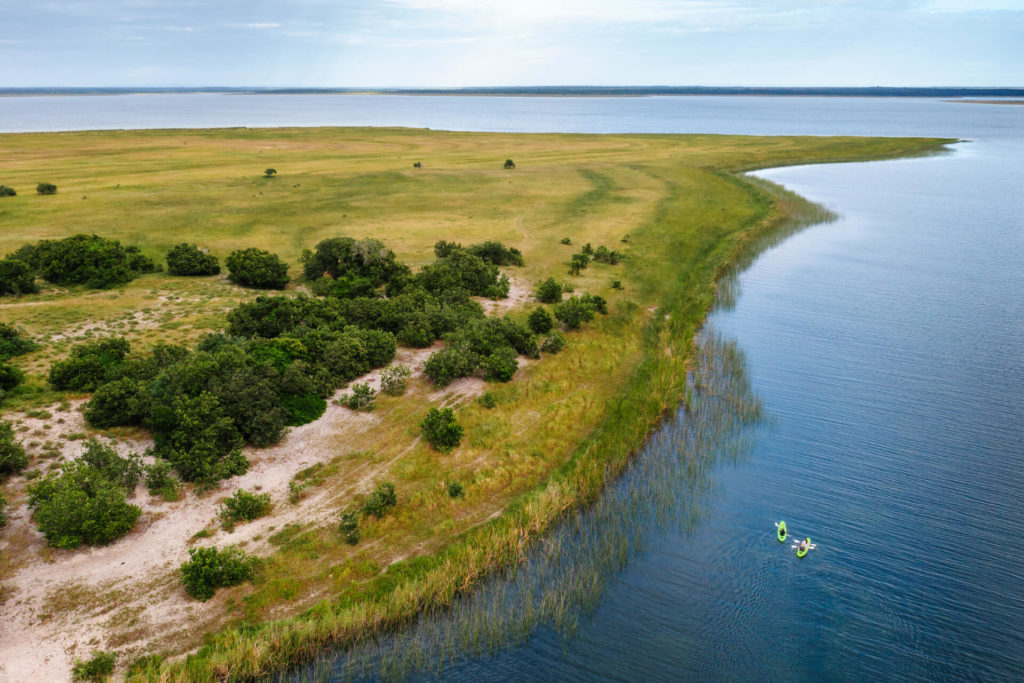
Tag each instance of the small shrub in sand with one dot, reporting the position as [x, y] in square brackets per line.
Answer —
[208, 569]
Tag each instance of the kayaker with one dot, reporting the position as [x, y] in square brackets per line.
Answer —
[803, 545]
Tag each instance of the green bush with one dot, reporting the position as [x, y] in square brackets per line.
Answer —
[616, 284]
[575, 311]
[509, 163]
[99, 667]
[7, 191]
[244, 506]
[303, 408]
[461, 270]
[488, 400]
[124, 472]
[88, 260]
[604, 255]
[540, 321]
[188, 259]
[81, 506]
[441, 429]
[118, 403]
[549, 292]
[12, 454]
[160, 480]
[17, 277]
[578, 263]
[90, 365]
[450, 363]
[496, 253]
[501, 365]
[270, 172]
[394, 379]
[382, 498]
[202, 443]
[257, 268]
[349, 527]
[362, 398]
[10, 377]
[345, 258]
[12, 343]
[208, 569]
[554, 342]
[566, 240]
[455, 490]
[46, 188]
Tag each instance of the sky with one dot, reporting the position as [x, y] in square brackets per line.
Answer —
[460, 43]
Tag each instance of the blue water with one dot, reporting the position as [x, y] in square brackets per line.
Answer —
[888, 349]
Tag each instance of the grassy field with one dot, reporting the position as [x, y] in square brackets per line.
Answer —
[674, 204]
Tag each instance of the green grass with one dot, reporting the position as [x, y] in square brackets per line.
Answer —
[555, 435]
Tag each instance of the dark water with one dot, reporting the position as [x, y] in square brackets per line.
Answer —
[888, 350]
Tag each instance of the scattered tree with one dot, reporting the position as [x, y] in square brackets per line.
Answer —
[89, 260]
[46, 188]
[90, 365]
[349, 527]
[501, 365]
[441, 429]
[10, 377]
[270, 172]
[17, 277]
[12, 454]
[208, 569]
[257, 268]
[509, 163]
[549, 292]
[7, 191]
[382, 498]
[566, 240]
[553, 343]
[188, 259]
[362, 398]
[540, 321]
[13, 343]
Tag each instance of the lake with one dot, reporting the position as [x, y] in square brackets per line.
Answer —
[887, 350]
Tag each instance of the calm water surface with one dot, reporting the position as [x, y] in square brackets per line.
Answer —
[888, 350]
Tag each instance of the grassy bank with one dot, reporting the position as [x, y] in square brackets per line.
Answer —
[561, 430]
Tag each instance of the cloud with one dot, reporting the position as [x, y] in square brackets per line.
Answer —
[262, 25]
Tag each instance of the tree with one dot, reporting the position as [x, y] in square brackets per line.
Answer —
[347, 258]
[270, 172]
[509, 163]
[12, 454]
[382, 498]
[441, 429]
[549, 292]
[88, 260]
[540, 321]
[257, 268]
[46, 188]
[7, 191]
[90, 365]
[119, 403]
[12, 343]
[501, 365]
[202, 443]
[208, 569]
[10, 377]
[188, 259]
[574, 311]
[17, 277]
[81, 506]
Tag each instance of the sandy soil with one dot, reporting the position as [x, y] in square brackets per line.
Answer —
[59, 604]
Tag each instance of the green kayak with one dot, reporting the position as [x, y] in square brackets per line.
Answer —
[782, 531]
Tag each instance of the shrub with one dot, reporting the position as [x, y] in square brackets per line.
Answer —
[344, 257]
[303, 408]
[361, 398]
[501, 365]
[17, 277]
[496, 253]
[124, 472]
[12, 454]
[603, 255]
[461, 270]
[188, 259]
[81, 506]
[441, 429]
[566, 240]
[200, 440]
[244, 506]
[540, 321]
[578, 263]
[10, 377]
[487, 400]
[549, 292]
[349, 527]
[7, 191]
[208, 569]
[554, 343]
[575, 311]
[46, 188]
[12, 343]
[160, 480]
[270, 172]
[509, 163]
[118, 403]
[257, 268]
[99, 667]
[455, 490]
[616, 284]
[394, 379]
[90, 365]
[451, 363]
[88, 260]
[382, 498]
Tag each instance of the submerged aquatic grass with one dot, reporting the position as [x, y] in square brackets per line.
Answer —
[563, 577]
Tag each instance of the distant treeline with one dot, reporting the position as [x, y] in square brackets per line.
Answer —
[556, 90]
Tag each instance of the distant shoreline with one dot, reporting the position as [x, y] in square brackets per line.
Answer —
[987, 101]
[550, 91]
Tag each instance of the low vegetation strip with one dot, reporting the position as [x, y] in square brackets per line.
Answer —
[535, 449]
